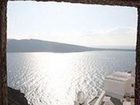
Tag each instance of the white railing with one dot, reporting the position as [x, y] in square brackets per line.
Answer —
[99, 100]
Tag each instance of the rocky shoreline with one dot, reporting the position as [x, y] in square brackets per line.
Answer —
[15, 97]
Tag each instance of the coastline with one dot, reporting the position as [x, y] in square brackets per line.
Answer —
[15, 97]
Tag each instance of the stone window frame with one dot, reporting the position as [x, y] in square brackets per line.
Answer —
[3, 41]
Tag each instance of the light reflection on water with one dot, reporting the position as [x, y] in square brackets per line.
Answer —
[55, 78]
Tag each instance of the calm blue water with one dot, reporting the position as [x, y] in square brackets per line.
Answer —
[55, 78]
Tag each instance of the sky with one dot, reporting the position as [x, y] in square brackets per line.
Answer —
[81, 24]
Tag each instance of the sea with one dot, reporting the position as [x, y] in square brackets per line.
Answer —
[55, 78]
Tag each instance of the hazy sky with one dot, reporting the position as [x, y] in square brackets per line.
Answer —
[87, 25]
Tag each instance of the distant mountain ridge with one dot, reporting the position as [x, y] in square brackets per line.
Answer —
[34, 45]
